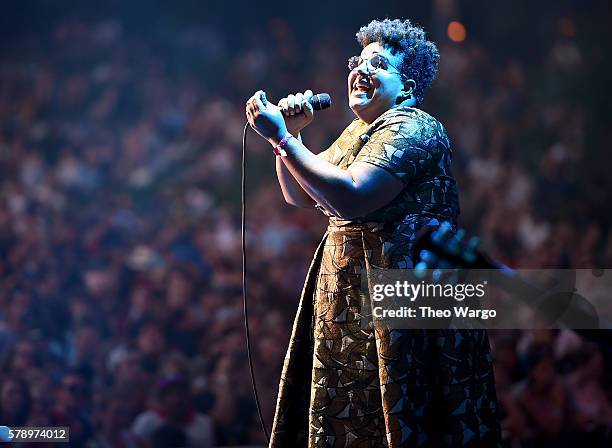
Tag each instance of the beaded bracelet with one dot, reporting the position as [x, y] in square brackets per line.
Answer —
[279, 149]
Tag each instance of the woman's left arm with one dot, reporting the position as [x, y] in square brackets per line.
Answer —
[361, 189]
[357, 191]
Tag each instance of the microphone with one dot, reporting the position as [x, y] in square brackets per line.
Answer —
[320, 101]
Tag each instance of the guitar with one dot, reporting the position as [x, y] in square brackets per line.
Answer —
[440, 248]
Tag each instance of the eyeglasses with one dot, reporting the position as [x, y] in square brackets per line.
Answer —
[373, 64]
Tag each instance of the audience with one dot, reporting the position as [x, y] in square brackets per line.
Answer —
[120, 301]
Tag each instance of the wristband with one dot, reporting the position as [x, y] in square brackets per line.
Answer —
[279, 149]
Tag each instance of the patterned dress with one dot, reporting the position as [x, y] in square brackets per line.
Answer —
[347, 386]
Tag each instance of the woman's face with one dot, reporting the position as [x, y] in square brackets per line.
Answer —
[372, 93]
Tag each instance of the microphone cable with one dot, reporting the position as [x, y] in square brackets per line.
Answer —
[319, 102]
[244, 281]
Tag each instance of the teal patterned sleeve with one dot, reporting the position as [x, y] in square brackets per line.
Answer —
[404, 146]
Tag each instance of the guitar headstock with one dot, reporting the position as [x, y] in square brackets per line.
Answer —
[443, 248]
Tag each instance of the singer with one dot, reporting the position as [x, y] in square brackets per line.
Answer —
[386, 176]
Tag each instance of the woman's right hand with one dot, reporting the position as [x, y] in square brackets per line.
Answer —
[297, 110]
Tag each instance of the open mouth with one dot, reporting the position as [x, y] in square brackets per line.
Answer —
[361, 85]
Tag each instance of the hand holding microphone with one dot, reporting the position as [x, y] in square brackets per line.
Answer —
[297, 110]
[292, 114]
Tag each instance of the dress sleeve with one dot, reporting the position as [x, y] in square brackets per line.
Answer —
[326, 154]
[338, 148]
[404, 146]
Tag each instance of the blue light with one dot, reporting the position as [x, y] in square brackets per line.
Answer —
[5, 435]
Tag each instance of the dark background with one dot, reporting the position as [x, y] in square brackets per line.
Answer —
[120, 134]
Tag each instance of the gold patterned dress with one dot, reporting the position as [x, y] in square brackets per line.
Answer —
[347, 385]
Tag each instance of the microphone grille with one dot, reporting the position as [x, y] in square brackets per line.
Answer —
[320, 101]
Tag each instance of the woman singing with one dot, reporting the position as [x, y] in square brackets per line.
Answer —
[386, 176]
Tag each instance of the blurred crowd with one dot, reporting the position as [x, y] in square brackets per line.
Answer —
[120, 300]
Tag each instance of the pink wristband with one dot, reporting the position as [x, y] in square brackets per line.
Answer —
[279, 149]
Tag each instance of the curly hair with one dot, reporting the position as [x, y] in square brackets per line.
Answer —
[420, 56]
